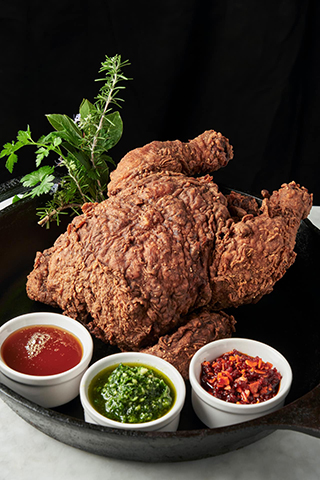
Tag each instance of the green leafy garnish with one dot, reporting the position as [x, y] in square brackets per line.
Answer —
[80, 145]
[41, 180]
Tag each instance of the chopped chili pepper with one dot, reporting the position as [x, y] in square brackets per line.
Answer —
[239, 378]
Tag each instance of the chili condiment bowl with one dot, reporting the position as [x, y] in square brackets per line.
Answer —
[47, 390]
[168, 422]
[215, 412]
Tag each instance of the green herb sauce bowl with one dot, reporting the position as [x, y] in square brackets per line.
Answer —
[162, 369]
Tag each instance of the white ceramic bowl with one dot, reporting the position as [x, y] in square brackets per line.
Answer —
[50, 390]
[168, 422]
[214, 412]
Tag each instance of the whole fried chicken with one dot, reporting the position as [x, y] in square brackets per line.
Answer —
[166, 244]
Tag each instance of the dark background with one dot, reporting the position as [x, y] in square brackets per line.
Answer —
[246, 68]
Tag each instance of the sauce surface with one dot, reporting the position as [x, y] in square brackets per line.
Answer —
[131, 393]
[236, 377]
[41, 350]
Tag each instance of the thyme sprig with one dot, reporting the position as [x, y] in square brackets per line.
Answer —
[80, 145]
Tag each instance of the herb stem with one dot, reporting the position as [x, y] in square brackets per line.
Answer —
[78, 186]
[99, 128]
[54, 212]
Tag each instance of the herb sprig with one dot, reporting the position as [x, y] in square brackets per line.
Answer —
[81, 145]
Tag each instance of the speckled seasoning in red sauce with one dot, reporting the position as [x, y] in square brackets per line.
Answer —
[41, 350]
[239, 378]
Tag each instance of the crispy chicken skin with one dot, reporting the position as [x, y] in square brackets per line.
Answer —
[200, 328]
[251, 255]
[204, 154]
[167, 243]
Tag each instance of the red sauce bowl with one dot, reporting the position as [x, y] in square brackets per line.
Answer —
[43, 357]
[215, 412]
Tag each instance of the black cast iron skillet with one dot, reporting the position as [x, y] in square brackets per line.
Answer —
[286, 319]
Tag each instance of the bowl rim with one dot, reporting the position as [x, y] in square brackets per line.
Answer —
[132, 357]
[222, 405]
[47, 318]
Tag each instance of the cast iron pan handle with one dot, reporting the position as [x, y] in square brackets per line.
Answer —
[302, 415]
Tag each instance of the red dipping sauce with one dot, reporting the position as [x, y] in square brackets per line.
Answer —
[41, 350]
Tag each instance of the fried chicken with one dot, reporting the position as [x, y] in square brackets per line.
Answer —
[167, 243]
[251, 255]
[200, 328]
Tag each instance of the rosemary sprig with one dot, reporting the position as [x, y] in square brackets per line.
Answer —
[80, 146]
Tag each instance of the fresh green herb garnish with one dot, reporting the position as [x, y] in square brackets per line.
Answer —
[80, 145]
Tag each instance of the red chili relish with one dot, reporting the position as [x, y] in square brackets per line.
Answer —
[239, 378]
[41, 350]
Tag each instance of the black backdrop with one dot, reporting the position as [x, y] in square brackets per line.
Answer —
[246, 68]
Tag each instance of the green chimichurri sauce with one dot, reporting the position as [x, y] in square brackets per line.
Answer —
[131, 393]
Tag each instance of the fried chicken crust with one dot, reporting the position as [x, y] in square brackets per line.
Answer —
[166, 244]
[133, 266]
[204, 154]
[200, 328]
[251, 255]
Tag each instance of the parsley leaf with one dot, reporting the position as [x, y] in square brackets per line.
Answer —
[12, 159]
[24, 136]
[40, 180]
